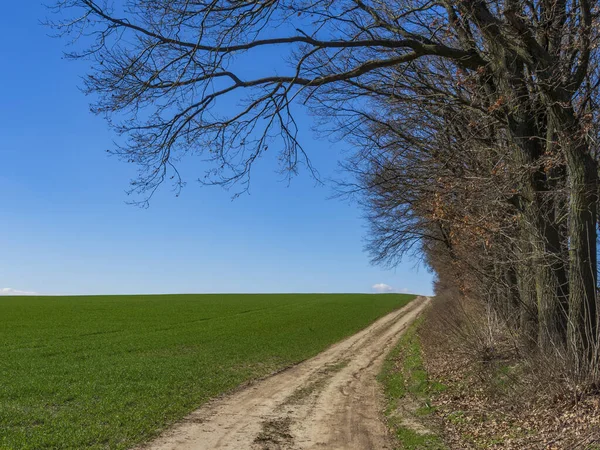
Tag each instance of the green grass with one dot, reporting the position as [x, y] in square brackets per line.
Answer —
[407, 391]
[111, 371]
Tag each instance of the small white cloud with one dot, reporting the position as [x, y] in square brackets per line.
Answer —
[380, 288]
[11, 291]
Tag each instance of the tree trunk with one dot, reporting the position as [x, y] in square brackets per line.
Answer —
[527, 294]
[552, 291]
[582, 171]
[540, 239]
[582, 327]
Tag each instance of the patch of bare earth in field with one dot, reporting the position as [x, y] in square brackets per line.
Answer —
[332, 401]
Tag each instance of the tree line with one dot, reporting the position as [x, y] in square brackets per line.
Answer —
[474, 127]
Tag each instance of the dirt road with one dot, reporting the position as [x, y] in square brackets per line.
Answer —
[329, 402]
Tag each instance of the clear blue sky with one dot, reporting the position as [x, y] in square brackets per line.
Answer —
[65, 227]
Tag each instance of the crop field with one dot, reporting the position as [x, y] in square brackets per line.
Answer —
[112, 371]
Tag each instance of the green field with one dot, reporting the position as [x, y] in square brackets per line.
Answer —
[111, 371]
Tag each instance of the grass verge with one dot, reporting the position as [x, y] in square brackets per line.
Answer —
[407, 390]
[112, 371]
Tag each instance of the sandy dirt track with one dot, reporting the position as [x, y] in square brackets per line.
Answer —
[329, 402]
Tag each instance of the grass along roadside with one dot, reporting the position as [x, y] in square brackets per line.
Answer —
[407, 390]
[112, 371]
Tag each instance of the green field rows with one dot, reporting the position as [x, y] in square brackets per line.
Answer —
[109, 372]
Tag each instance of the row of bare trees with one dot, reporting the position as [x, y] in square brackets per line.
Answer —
[474, 123]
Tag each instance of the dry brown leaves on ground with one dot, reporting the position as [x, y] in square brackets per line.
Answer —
[488, 405]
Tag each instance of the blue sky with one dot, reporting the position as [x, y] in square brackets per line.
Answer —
[65, 227]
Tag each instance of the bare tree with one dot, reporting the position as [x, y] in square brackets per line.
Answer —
[524, 71]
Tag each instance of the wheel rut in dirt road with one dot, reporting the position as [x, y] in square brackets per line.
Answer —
[331, 401]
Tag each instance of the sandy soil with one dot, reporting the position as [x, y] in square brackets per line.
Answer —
[331, 401]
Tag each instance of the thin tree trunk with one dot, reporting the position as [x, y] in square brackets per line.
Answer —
[552, 292]
[525, 272]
